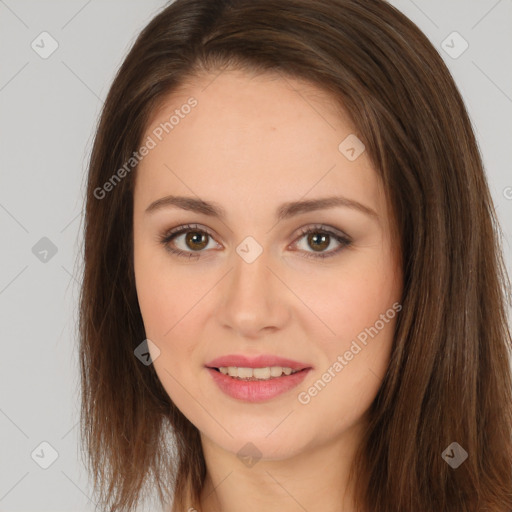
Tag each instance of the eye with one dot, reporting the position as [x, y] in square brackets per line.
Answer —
[196, 239]
[320, 238]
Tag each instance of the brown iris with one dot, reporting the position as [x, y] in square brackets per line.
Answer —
[194, 237]
[315, 237]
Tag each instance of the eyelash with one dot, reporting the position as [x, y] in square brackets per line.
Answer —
[168, 236]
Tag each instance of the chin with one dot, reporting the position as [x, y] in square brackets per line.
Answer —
[258, 444]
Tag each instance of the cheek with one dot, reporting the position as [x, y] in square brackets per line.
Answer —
[356, 304]
[342, 390]
[172, 323]
[350, 299]
[169, 322]
[172, 312]
[163, 293]
[166, 302]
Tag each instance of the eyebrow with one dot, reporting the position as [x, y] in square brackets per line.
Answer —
[285, 211]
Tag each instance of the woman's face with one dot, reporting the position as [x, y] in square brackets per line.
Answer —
[254, 157]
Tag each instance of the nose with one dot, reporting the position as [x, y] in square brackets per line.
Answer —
[253, 300]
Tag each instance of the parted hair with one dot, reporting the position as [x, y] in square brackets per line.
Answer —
[449, 377]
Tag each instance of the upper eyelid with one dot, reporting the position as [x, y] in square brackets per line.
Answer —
[180, 230]
[303, 230]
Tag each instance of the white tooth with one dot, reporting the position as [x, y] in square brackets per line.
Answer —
[261, 373]
[245, 373]
[256, 373]
[233, 371]
[276, 371]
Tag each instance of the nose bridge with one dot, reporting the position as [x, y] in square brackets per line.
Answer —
[253, 300]
[250, 276]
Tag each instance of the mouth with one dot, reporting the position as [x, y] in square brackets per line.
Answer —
[256, 378]
[256, 384]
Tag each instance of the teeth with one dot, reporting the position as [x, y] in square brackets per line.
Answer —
[256, 373]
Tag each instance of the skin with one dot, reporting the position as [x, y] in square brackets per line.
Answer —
[252, 143]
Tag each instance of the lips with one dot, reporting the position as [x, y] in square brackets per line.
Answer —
[261, 361]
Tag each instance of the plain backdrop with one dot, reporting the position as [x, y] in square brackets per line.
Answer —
[49, 105]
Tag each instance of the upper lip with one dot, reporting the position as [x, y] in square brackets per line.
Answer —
[260, 361]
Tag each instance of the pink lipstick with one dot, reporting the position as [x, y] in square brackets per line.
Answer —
[256, 379]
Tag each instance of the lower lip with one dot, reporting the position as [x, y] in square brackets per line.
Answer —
[257, 391]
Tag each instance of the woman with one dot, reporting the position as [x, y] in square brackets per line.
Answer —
[294, 294]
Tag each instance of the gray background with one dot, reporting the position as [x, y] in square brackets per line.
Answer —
[49, 108]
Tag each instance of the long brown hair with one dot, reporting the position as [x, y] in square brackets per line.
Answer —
[449, 378]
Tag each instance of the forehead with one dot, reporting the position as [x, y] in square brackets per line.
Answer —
[264, 137]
